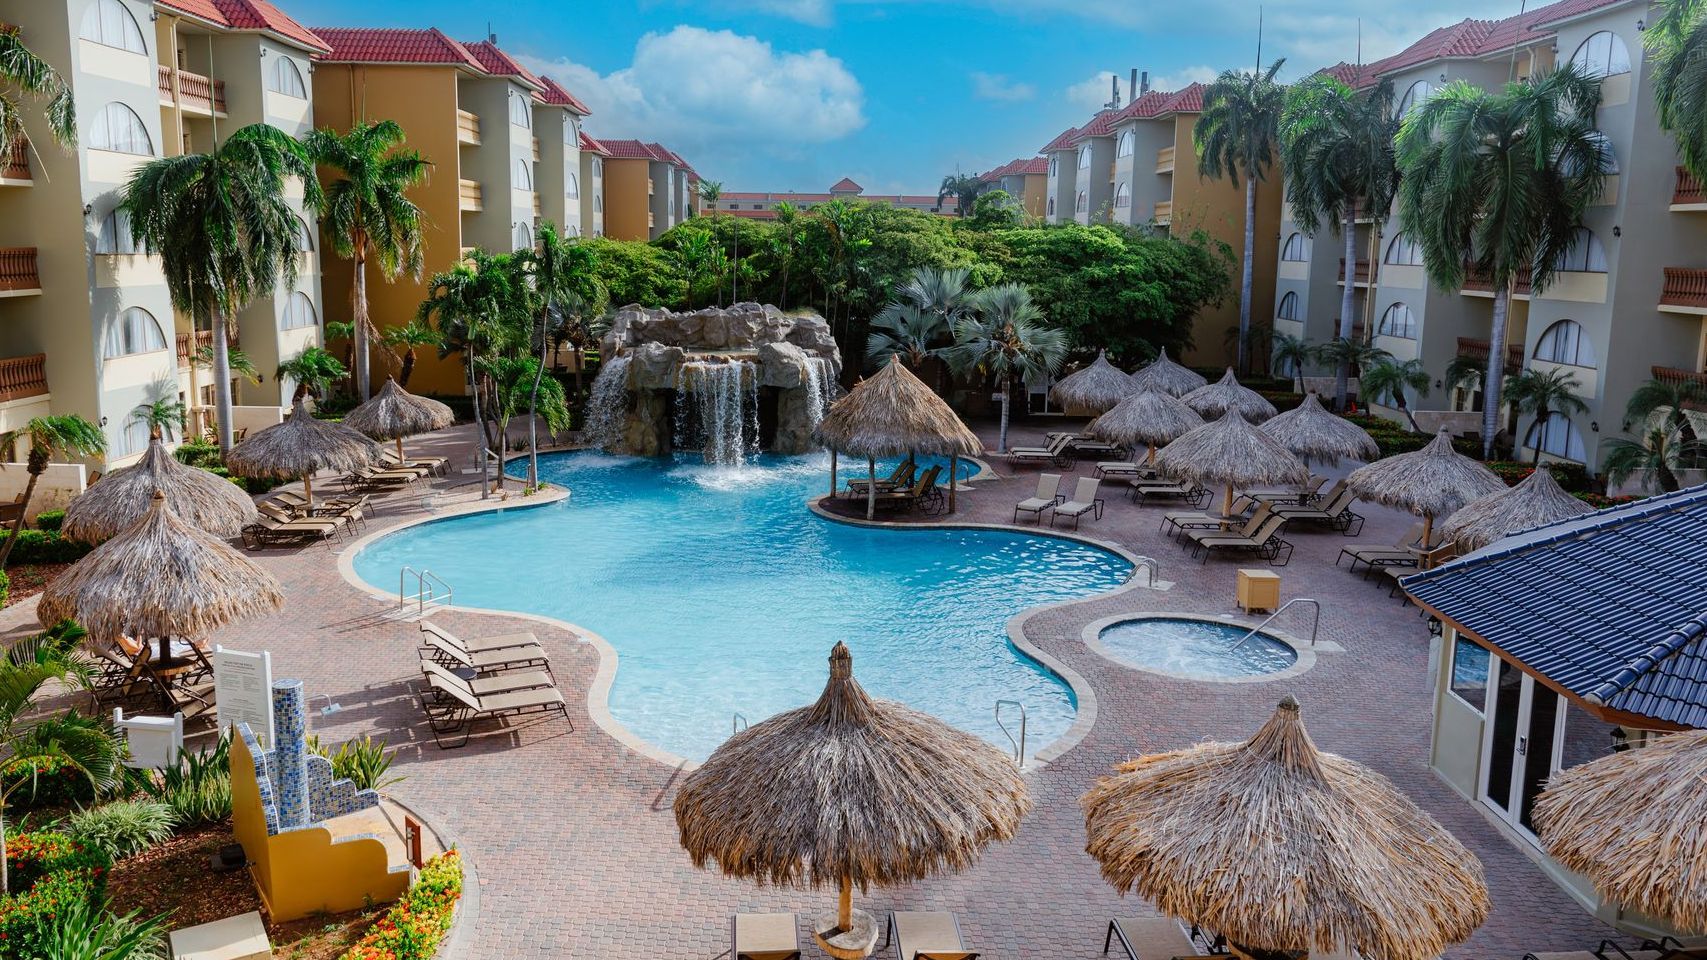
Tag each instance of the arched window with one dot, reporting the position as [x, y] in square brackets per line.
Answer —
[521, 112]
[1295, 250]
[598, 204]
[574, 229]
[1414, 94]
[1565, 342]
[1288, 309]
[598, 167]
[285, 78]
[1398, 321]
[572, 187]
[524, 236]
[571, 134]
[1085, 157]
[115, 236]
[134, 438]
[109, 24]
[117, 128]
[1122, 196]
[524, 175]
[304, 237]
[1603, 54]
[1125, 147]
[1053, 165]
[1083, 203]
[135, 331]
[1402, 251]
[299, 312]
[1585, 256]
[1051, 206]
[1558, 436]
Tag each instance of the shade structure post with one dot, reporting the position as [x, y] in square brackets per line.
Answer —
[844, 907]
[308, 490]
[400, 458]
[832, 471]
[1428, 534]
[870, 487]
[1227, 503]
[953, 468]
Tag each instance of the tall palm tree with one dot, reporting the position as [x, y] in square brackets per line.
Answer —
[517, 387]
[786, 238]
[963, 187]
[314, 370]
[1677, 47]
[941, 293]
[1655, 458]
[224, 231]
[1351, 353]
[1004, 336]
[1463, 373]
[1499, 181]
[1235, 136]
[403, 341]
[710, 192]
[55, 434]
[1293, 354]
[1541, 392]
[562, 271]
[1336, 145]
[1389, 378]
[24, 72]
[368, 213]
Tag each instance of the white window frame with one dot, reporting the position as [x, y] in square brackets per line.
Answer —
[524, 175]
[1452, 668]
[1567, 336]
[286, 79]
[1085, 157]
[1384, 328]
[102, 123]
[295, 309]
[1575, 449]
[1587, 254]
[521, 111]
[1125, 145]
[133, 333]
[1608, 58]
[105, 18]
[1295, 250]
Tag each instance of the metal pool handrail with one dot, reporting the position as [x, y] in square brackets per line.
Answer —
[1146, 563]
[737, 723]
[1019, 745]
[1315, 622]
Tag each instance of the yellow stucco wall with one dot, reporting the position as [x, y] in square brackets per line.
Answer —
[1036, 188]
[626, 200]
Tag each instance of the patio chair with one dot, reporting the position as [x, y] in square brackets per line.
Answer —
[1279, 495]
[1265, 541]
[910, 498]
[1124, 470]
[900, 477]
[764, 936]
[484, 661]
[268, 532]
[1149, 938]
[279, 512]
[1403, 553]
[118, 677]
[1083, 444]
[524, 638]
[1191, 493]
[1085, 500]
[1047, 497]
[371, 478]
[927, 936]
[433, 465]
[460, 706]
[485, 685]
[1199, 519]
[1054, 451]
[352, 509]
[1335, 512]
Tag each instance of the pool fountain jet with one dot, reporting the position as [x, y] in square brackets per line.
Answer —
[729, 382]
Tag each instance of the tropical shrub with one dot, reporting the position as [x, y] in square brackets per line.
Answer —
[1573, 477]
[205, 456]
[122, 828]
[27, 915]
[44, 782]
[413, 927]
[5, 588]
[32, 856]
[85, 930]
[198, 789]
[50, 520]
[44, 546]
[364, 762]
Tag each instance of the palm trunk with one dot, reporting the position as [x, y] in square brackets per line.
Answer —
[358, 297]
[407, 368]
[533, 415]
[1002, 437]
[1667, 479]
[1405, 408]
[1342, 377]
[1246, 282]
[575, 353]
[18, 523]
[1541, 416]
[1494, 379]
[479, 425]
[221, 380]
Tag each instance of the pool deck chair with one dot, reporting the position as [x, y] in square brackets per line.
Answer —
[523, 638]
[764, 936]
[901, 476]
[1402, 553]
[1197, 519]
[1335, 511]
[498, 660]
[927, 936]
[487, 684]
[1264, 541]
[1055, 452]
[1279, 495]
[1162, 489]
[1149, 938]
[452, 706]
[1124, 470]
[1085, 500]
[1047, 497]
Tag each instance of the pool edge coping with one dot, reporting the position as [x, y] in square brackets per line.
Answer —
[1305, 654]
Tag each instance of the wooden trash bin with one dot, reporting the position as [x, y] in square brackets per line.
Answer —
[1259, 590]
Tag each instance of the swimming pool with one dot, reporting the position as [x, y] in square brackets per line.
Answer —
[722, 594]
[1195, 649]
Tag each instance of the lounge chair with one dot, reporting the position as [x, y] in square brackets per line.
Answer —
[1085, 500]
[1124, 470]
[1181, 521]
[1403, 553]
[1279, 495]
[1149, 938]
[1264, 541]
[901, 476]
[268, 531]
[1335, 511]
[922, 493]
[352, 509]
[433, 465]
[372, 478]
[1191, 493]
[524, 638]
[283, 514]
[1083, 444]
[485, 685]
[1055, 451]
[1046, 498]
[452, 706]
[764, 936]
[927, 936]
[484, 661]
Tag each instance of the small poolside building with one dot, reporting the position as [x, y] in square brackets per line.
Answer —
[1560, 645]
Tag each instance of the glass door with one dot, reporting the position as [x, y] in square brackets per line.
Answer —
[1521, 744]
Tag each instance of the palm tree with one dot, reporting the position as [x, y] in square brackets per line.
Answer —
[1294, 354]
[403, 340]
[1499, 182]
[1388, 377]
[1677, 47]
[368, 213]
[1351, 353]
[22, 70]
[1673, 398]
[1004, 337]
[161, 415]
[1655, 458]
[55, 434]
[224, 231]
[1541, 392]
[1336, 145]
[941, 293]
[710, 192]
[786, 237]
[1235, 137]
[562, 272]
[517, 387]
[314, 370]
[1463, 373]
[904, 330]
[963, 187]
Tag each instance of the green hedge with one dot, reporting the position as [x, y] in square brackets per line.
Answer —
[53, 783]
[1571, 476]
[5, 588]
[50, 520]
[1394, 438]
[44, 546]
[49, 873]
[419, 920]
[205, 456]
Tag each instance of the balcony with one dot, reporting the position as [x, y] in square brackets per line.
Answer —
[1477, 283]
[18, 274]
[16, 170]
[1113, 170]
[1165, 160]
[1685, 291]
[1679, 377]
[536, 207]
[535, 149]
[204, 339]
[1164, 212]
[469, 199]
[1360, 273]
[195, 93]
[467, 128]
[1477, 350]
[1687, 192]
[22, 377]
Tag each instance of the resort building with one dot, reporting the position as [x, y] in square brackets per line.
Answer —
[89, 327]
[593, 156]
[645, 189]
[557, 116]
[1027, 181]
[1639, 256]
[1561, 645]
[762, 206]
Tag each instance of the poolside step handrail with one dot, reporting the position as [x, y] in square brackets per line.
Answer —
[1019, 744]
[1315, 621]
[737, 723]
[427, 589]
[1146, 563]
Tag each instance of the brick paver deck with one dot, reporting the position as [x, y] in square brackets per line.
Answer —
[573, 837]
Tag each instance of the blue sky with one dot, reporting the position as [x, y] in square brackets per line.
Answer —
[794, 94]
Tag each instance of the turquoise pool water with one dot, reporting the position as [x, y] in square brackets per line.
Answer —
[723, 594]
[1188, 647]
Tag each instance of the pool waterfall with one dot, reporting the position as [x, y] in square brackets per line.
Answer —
[717, 410]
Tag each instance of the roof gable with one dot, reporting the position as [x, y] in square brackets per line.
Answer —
[846, 185]
[395, 45]
[500, 64]
[249, 15]
[556, 94]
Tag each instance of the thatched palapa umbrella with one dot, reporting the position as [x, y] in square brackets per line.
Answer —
[161, 578]
[849, 791]
[1278, 846]
[891, 413]
[301, 447]
[1230, 452]
[1167, 376]
[1315, 433]
[1227, 394]
[1149, 417]
[394, 413]
[1097, 387]
[1635, 823]
[1433, 481]
[1538, 500]
[123, 497]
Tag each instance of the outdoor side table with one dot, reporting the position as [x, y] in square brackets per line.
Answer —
[1258, 590]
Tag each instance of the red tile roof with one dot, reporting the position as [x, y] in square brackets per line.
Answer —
[249, 15]
[847, 185]
[500, 64]
[558, 95]
[1062, 140]
[395, 45]
[627, 150]
[1101, 125]
[1035, 167]
[1017, 168]
[589, 145]
[1479, 38]
[1187, 100]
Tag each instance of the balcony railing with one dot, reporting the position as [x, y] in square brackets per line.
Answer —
[1478, 279]
[1679, 377]
[1684, 287]
[194, 90]
[1477, 350]
[1164, 211]
[17, 166]
[467, 127]
[469, 196]
[1165, 160]
[1360, 274]
[203, 340]
[535, 149]
[1688, 189]
[23, 377]
[536, 207]
[18, 272]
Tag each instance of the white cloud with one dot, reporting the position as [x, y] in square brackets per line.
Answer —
[1184, 77]
[995, 86]
[814, 12]
[1092, 92]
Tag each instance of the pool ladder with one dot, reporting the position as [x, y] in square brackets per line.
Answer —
[737, 724]
[1315, 621]
[428, 587]
[1146, 563]
[1018, 744]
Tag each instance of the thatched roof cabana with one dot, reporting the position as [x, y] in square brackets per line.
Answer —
[1315, 433]
[161, 578]
[1167, 376]
[891, 413]
[849, 791]
[1279, 846]
[1096, 388]
[1434, 481]
[1536, 501]
[1227, 394]
[121, 498]
[1149, 418]
[1230, 452]
[1635, 824]
[394, 413]
[299, 448]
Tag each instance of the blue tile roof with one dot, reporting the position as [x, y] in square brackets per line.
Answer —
[1611, 606]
